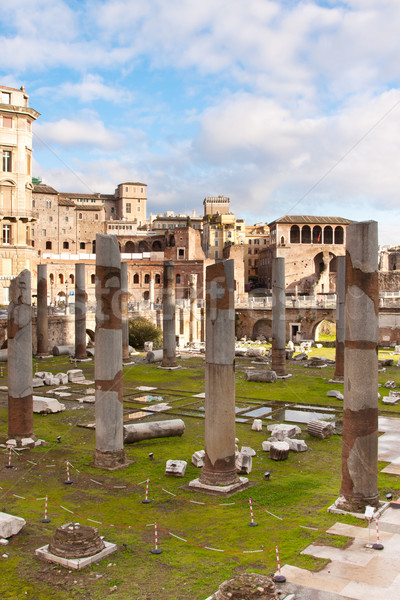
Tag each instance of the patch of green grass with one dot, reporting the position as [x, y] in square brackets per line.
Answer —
[290, 508]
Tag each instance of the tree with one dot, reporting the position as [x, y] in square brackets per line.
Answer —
[142, 330]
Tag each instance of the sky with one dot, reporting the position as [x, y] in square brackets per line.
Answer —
[287, 107]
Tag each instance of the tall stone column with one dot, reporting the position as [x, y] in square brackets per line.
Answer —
[124, 311]
[20, 403]
[278, 317]
[42, 343]
[193, 308]
[169, 336]
[219, 469]
[80, 312]
[109, 453]
[340, 300]
[360, 415]
[151, 293]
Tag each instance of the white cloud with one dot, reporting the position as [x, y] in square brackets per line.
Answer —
[86, 130]
[90, 88]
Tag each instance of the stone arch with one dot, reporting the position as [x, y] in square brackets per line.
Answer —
[328, 235]
[262, 327]
[306, 235]
[295, 234]
[156, 246]
[143, 247]
[90, 335]
[318, 328]
[317, 235]
[129, 247]
[339, 235]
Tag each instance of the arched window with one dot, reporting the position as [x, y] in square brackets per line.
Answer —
[156, 247]
[143, 247]
[48, 245]
[65, 245]
[60, 278]
[147, 278]
[317, 235]
[93, 278]
[71, 278]
[129, 247]
[51, 278]
[178, 278]
[136, 278]
[339, 235]
[295, 234]
[306, 235]
[157, 278]
[328, 235]
[282, 242]
[94, 247]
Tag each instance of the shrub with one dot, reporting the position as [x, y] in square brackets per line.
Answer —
[142, 330]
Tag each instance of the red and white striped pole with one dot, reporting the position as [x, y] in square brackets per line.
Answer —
[68, 481]
[156, 549]
[9, 466]
[146, 499]
[378, 545]
[252, 523]
[279, 578]
[46, 519]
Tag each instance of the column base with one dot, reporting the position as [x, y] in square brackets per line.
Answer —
[110, 461]
[219, 490]
[356, 506]
[170, 367]
[279, 360]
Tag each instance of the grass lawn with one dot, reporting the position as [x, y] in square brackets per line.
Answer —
[290, 508]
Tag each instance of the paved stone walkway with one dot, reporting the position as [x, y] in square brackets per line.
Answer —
[357, 572]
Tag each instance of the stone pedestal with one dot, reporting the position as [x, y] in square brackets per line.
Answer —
[169, 334]
[110, 453]
[124, 311]
[278, 317]
[80, 312]
[360, 415]
[340, 300]
[20, 401]
[219, 471]
[42, 345]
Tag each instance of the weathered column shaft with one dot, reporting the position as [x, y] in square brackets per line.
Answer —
[151, 293]
[110, 453]
[124, 311]
[340, 308]
[169, 335]
[80, 311]
[219, 465]
[193, 308]
[20, 403]
[42, 339]
[278, 317]
[360, 414]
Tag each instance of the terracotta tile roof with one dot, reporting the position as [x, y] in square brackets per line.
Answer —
[41, 188]
[311, 220]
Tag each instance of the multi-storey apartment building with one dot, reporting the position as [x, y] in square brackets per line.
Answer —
[16, 213]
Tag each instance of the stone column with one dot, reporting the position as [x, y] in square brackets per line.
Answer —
[202, 325]
[340, 299]
[80, 312]
[20, 403]
[110, 453]
[219, 463]
[42, 340]
[124, 311]
[151, 293]
[360, 410]
[193, 308]
[278, 317]
[169, 339]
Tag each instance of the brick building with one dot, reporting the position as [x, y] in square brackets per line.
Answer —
[310, 246]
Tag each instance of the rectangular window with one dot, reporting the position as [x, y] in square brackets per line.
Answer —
[216, 243]
[63, 231]
[50, 219]
[216, 254]
[7, 122]
[126, 189]
[5, 97]
[28, 163]
[128, 207]
[6, 234]
[7, 161]
[138, 208]
[66, 219]
[96, 217]
[48, 203]
[43, 233]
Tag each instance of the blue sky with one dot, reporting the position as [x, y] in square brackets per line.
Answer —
[287, 107]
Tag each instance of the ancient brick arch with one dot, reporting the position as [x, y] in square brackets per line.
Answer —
[262, 327]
